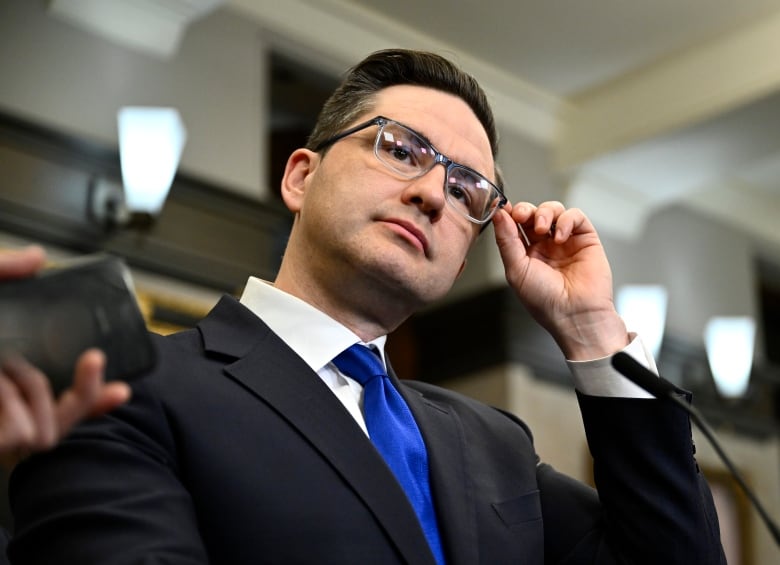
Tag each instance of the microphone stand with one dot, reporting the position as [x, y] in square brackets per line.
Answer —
[664, 390]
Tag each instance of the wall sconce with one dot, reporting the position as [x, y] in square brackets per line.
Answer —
[151, 141]
[643, 308]
[729, 342]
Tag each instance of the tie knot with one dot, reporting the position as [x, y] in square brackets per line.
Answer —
[360, 363]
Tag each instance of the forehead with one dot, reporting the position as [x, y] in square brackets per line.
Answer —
[445, 119]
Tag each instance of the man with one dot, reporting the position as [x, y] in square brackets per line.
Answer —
[250, 441]
[31, 419]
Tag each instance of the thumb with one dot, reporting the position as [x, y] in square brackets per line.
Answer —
[509, 239]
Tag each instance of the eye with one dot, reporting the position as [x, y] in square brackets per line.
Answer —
[457, 191]
[401, 153]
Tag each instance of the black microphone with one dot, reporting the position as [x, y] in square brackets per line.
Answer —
[662, 389]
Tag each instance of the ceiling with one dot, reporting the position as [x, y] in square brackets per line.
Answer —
[642, 104]
[568, 46]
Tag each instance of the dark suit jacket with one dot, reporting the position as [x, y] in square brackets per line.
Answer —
[233, 451]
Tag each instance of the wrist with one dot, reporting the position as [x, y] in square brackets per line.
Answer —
[589, 337]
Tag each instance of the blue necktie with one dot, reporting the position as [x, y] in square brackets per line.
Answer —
[395, 434]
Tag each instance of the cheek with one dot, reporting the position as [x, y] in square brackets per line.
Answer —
[328, 193]
[457, 246]
[349, 185]
[460, 235]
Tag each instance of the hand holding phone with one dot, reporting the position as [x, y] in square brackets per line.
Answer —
[54, 316]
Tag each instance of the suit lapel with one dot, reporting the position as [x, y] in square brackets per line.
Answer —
[275, 374]
[452, 494]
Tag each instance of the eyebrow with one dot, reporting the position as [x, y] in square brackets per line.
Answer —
[415, 130]
[427, 140]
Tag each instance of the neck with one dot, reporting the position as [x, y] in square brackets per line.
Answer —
[369, 310]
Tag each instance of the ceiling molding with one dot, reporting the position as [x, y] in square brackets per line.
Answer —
[740, 205]
[154, 27]
[689, 87]
[309, 27]
[614, 208]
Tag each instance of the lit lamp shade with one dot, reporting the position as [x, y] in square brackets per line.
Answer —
[151, 141]
[643, 309]
[729, 342]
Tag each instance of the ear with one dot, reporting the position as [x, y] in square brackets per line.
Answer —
[300, 166]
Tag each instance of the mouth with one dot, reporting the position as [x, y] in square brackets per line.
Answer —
[409, 232]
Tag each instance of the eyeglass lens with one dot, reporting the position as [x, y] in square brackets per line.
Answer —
[411, 156]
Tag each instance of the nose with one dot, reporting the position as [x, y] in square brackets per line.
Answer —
[427, 192]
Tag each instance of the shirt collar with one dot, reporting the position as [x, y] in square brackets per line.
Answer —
[313, 335]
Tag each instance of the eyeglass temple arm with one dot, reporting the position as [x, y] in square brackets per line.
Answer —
[523, 236]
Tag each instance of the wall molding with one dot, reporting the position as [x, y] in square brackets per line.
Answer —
[205, 234]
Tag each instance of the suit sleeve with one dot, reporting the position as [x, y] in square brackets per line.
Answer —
[108, 494]
[653, 505]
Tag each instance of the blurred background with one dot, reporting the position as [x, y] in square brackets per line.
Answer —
[659, 119]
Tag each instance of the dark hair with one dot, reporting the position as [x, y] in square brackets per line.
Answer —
[392, 67]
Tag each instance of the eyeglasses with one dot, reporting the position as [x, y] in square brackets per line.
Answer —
[408, 154]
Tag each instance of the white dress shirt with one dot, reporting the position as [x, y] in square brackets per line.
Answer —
[325, 338]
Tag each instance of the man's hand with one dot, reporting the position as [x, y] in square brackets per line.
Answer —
[562, 277]
[31, 419]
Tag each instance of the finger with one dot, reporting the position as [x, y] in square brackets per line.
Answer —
[21, 263]
[76, 402]
[88, 373]
[36, 394]
[546, 217]
[537, 220]
[522, 212]
[89, 395]
[17, 428]
[572, 221]
[506, 228]
[509, 239]
[111, 396]
[97, 396]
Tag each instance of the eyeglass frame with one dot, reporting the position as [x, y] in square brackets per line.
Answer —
[439, 158]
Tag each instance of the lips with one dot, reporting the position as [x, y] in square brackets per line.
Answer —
[410, 232]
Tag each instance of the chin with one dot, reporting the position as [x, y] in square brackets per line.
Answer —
[397, 271]
[425, 291]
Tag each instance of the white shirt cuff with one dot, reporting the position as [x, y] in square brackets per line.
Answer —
[599, 378]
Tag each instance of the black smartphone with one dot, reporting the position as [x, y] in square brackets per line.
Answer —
[52, 317]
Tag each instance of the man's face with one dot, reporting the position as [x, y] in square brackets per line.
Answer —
[359, 219]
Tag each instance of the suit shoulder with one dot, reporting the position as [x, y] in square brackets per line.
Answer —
[471, 408]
